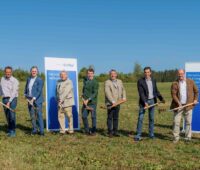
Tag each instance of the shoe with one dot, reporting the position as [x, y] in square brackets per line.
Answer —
[93, 134]
[187, 139]
[42, 134]
[87, 133]
[34, 133]
[70, 132]
[8, 132]
[110, 135]
[175, 141]
[62, 134]
[12, 134]
[152, 137]
[116, 135]
[136, 139]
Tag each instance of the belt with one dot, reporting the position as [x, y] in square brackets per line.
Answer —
[6, 97]
[151, 99]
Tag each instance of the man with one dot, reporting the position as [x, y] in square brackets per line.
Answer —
[148, 94]
[34, 95]
[114, 92]
[65, 97]
[89, 97]
[9, 92]
[184, 91]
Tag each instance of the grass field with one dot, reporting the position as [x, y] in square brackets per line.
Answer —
[99, 152]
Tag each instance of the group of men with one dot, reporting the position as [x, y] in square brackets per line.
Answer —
[9, 87]
[184, 94]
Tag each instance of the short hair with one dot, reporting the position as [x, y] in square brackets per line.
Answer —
[90, 69]
[112, 70]
[8, 67]
[63, 71]
[34, 67]
[147, 68]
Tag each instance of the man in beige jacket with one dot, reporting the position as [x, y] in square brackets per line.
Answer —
[65, 97]
[114, 92]
[184, 91]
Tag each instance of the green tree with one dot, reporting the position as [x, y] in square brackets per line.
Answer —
[137, 71]
[82, 73]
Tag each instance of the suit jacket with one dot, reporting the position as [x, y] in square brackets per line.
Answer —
[90, 90]
[65, 93]
[144, 92]
[192, 93]
[37, 90]
[114, 93]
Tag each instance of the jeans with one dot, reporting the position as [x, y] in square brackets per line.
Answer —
[36, 117]
[85, 114]
[112, 119]
[151, 120]
[10, 116]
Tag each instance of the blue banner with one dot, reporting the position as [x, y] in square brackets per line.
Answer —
[196, 111]
[53, 67]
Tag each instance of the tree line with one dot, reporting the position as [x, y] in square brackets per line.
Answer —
[160, 76]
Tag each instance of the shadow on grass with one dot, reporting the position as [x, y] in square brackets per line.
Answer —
[127, 133]
[163, 126]
[158, 136]
[25, 129]
[4, 128]
[104, 132]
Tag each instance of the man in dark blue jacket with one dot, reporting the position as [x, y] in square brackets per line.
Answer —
[34, 94]
[148, 93]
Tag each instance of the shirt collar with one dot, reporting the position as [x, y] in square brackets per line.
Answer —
[90, 79]
[148, 79]
[182, 81]
[33, 78]
[64, 80]
[114, 80]
[8, 78]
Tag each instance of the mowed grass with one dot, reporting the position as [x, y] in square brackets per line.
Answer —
[99, 152]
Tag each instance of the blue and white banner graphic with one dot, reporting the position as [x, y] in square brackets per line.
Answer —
[53, 67]
[193, 72]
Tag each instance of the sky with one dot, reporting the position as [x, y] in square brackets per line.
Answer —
[108, 34]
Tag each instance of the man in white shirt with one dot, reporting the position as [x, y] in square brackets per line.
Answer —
[34, 93]
[9, 92]
[184, 91]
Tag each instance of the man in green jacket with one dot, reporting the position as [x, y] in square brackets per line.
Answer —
[89, 97]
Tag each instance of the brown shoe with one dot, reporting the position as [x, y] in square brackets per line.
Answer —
[70, 132]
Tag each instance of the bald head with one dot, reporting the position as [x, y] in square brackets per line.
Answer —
[181, 74]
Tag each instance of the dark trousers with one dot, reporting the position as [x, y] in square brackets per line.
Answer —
[10, 116]
[113, 119]
[85, 114]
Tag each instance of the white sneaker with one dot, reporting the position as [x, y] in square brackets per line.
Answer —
[187, 139]
[175, 141]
